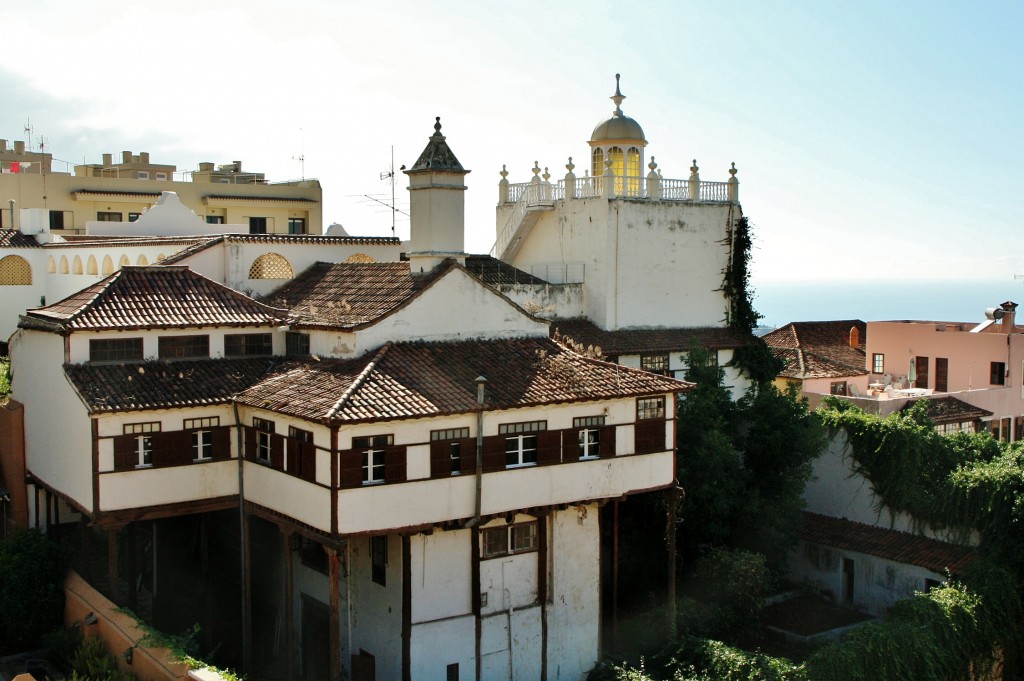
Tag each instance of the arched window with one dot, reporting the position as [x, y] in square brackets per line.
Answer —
[632, 171]
[598, 169]
[63, 264]
[271, 266]
[76, 265]
[15, 271]
[618, 167]
[91, 267]
[51, 266]
[124, 261]
[160, 256]
[108, 265]
[141, 260]
[359, 257]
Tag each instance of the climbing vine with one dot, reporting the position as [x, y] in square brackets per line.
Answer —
[754, 358]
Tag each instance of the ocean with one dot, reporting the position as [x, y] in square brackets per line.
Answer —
[876, 300]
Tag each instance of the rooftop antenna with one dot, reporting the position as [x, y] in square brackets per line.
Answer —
[389, 174]
[301, 158]
[28, 132]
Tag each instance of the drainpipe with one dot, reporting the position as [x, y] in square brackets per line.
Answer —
[480, 383]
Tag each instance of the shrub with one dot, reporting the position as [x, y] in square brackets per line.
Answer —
[32, 571]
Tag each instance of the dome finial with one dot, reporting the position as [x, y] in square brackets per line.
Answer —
[437, 125]
[617, 97]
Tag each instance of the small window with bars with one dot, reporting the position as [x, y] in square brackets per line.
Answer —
[296, 344]
[264, 431]
[506, 540]
[183, 347]
[656, 364]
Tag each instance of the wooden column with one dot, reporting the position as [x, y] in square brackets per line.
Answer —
[334, 576]
[112, 564]
[672, 501]
[289, 597]
[133, 567]
[247, 593]
[474, 580]
[542, 591]
[615, 570]
[406, 608]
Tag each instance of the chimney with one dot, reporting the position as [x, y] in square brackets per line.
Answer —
[19, 147]
[3, 146]
[108, 160]
[144, 156]
[1008, 323]
[437, 206]
[126, 157]
[206, 167]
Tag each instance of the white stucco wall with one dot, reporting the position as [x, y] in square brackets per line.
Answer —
[375, 611]
[648, 263]
[438, 314]
[877, 583]
[58, 431]
[151, 340]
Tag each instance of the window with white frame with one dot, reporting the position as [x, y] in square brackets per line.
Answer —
[589, 435]
[878, 363]
[373, 456]
[202, 436]
[143, 433]
[264, 431]
[506, 540]
[521, 442]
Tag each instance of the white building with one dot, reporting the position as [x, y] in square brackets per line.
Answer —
[409, 469]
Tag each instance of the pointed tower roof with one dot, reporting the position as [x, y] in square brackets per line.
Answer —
[437, 155]
[618, 126]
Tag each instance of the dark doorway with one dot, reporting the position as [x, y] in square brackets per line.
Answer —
[848, 580]
[316, 639]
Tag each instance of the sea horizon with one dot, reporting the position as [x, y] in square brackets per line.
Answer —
[782, 302]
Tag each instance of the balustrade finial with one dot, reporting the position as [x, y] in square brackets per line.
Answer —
[652, 165]
[570, 166]
[536, 168]
[504, 172]
[546, 175]
[732, 170]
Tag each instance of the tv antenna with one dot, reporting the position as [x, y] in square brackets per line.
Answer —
[301, 158]
[389, 175]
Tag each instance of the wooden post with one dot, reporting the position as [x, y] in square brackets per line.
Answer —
[133, 568]
[671, 499]
[289, 596]
[247, 593]
[334, 576]
[615, 570]
[112, 564]
[406, 608]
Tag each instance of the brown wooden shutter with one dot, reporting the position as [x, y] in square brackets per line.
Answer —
[440, 461]
[179, 444]
[307, 457]
[163, 450]
[494, 453]
[650, 436]
[549, 445]
[277, 451]
[350, 468]
[249, 433]
[468, 463]
[293, 457]
[125, 452]
[394, 464]
[571, 445]
[221, 443]
[607, 447]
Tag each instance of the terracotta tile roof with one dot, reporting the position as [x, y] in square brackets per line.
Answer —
[345, 295]
[640, 341]
[496, 272]
[316, 239]
[415, 380]
[819, 349]
[949, 409]
[261, 199]
[94, 240]
[163, 385]
[106, 192]
[899, 547]
[13, 238]
[152, 297]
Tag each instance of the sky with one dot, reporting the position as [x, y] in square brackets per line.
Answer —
[873, 140]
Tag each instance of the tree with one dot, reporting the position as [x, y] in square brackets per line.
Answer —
[32, 571]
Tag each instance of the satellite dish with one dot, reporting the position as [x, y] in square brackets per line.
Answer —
[994, 313]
